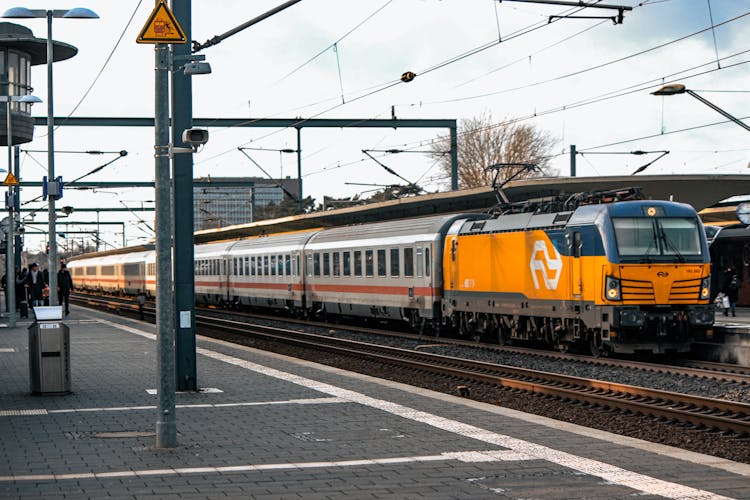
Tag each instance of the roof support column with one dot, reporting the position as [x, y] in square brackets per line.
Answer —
[182, 175]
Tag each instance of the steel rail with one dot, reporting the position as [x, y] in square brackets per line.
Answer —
[723, 372]
[698, 411]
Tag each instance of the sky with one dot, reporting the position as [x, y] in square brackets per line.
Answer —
[585, 82]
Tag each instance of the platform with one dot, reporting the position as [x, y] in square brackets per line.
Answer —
[269, 426]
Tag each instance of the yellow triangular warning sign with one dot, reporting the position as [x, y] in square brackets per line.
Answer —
[161, 27]
[10, 180]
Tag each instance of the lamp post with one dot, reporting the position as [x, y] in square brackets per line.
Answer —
[10, 262]
[678, 88]
[54, 188]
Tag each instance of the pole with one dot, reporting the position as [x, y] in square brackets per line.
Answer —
[573, 154]
[10, 269]
[454, 158]
[182, 170]
[718, 109]
[166, 423]
[18, 249]
[299, 171]
[52, 196]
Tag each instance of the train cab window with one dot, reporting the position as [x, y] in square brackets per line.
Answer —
[347, 264]
[381, 263]
[357, 263]
[427, 262]
[336, 263]
[369, 263]
[273, 265]
[316, 264]
[395, 264]
[408, 262]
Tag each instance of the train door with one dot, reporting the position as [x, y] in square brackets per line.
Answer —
[576, 277]
[454, 277]
[224, 275]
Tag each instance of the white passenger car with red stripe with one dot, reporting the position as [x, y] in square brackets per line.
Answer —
[122, 273]
[386, 270]
[211, 281]
[266, 271]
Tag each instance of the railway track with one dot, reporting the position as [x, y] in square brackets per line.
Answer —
[723, 372]
[693, 411]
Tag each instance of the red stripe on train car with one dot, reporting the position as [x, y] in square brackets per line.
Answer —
[378, 290]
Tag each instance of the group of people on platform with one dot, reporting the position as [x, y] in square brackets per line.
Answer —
[32, 288]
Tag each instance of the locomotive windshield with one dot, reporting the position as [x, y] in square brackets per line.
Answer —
[657, 238]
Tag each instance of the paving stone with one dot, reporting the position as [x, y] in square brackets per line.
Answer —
[112, 368]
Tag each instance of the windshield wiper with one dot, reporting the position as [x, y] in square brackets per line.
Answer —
[668, 243]
[646, 259]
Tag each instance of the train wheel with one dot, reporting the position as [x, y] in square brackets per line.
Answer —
[595, 344]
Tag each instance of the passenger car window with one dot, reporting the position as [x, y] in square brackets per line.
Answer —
[408, 262]
[336, 263]
[347, 263]
[357, 263]
[369, 264]
[395, 266]
[381, 263]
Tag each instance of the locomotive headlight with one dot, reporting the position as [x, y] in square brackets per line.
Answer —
[705, 287]
[612, 288]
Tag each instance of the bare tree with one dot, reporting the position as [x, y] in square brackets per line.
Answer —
[482, 143]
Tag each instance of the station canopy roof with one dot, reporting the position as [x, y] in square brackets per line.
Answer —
[700, 191]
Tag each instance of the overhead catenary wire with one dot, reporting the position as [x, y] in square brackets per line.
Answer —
[384, 86]
[483, 47]
[101, 70]
[338, 40]
[630, 89]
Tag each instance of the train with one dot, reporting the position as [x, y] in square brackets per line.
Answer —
[613, 275]
[730, 249]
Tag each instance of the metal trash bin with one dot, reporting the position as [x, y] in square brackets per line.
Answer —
[49, 352]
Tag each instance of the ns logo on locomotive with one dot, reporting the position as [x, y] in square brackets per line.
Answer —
[606, 270]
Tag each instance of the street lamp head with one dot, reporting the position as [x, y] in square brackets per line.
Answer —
[29, 99]
[671, 89]
[80, 13]
[20, 13]
[75, 13]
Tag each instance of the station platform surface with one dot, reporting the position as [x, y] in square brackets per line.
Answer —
[269, 426]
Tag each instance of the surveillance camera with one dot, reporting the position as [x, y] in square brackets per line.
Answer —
[197, 68]
[67, 210]
[195, 137]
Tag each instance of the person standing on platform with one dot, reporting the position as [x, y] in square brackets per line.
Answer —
[64, 286]
[22, 299]
[35, 285]
[731, 290]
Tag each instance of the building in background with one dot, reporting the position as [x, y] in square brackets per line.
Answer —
[253, 198]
